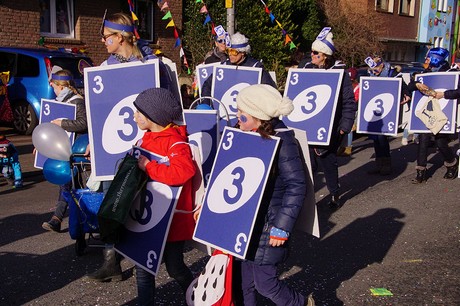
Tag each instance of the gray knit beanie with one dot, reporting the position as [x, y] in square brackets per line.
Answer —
[159, 105]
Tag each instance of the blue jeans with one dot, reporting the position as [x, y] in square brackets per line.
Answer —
[264, 279]
[173, 257]
[381, 146]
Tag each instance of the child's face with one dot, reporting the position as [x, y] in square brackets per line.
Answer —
[143, 122]
[247, 122]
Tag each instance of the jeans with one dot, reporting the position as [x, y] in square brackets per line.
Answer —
[381, 145]
[62, 205]
[264, 279]
[442, 142]
[173, 257]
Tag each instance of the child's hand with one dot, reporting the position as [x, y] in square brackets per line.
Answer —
[196, 214]
[277, 237]
[142, 162]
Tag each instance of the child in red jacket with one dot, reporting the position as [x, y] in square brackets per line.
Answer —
[157, 108]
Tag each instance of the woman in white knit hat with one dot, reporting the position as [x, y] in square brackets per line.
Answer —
[322, 57]
[259, 109]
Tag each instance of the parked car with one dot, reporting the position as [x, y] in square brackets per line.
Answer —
[30, 71]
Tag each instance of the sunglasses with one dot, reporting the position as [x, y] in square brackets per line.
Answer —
[314, 52]
[104, 37]
[220, 41]
[232, 52]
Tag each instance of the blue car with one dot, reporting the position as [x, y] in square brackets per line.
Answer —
[29, 80]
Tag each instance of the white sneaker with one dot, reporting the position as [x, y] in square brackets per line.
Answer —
[404, 141]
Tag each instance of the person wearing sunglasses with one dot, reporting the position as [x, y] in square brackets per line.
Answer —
[322, 57]
[379, 68]
[218, 54]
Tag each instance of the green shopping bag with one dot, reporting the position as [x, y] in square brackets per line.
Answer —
[128, 183]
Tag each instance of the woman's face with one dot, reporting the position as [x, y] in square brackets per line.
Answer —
[318, 58]
[247, 122]
[111, 41]
[57, 88]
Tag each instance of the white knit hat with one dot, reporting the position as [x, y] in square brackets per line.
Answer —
[240, 42]
[323, 42]
[263, 102]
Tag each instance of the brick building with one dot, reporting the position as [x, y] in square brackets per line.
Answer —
[76, 24]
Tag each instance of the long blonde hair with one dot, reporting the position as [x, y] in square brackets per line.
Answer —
[129, 37]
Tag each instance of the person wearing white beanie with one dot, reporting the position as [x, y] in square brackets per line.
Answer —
[322, 57]
[259, 110]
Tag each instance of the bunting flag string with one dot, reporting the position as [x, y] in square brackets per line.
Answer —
[208, 19]
[134, 17]
[287, 38]
[164, 7]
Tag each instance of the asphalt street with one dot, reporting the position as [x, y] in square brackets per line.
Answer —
[389, 234]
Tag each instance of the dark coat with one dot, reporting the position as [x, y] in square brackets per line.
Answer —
[283, 198]
[79, 125]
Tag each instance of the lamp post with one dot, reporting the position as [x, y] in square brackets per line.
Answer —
[230, 6]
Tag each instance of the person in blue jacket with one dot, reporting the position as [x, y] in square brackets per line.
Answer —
[322, 57]
[9, 162]
[259, 109]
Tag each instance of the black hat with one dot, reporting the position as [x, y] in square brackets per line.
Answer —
[159, 105]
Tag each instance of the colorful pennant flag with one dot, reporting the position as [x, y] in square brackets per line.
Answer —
[287, 39]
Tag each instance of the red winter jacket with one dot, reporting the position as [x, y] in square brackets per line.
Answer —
[179, 172]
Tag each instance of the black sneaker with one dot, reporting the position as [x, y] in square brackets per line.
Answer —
[52, 225]
[335, 203]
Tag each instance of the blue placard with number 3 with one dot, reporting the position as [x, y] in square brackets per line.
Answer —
[51, 110]
[378, 109]
[235, 190]
[147, 225]
[110, 92]
[314, 93]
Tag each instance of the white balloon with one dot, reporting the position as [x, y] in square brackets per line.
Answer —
[52, 141]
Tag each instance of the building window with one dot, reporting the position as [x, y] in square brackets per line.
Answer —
[407, 7]
[56, 18]
[384, 5]
[145, 12]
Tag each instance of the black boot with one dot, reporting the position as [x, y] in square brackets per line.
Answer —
[421, 176]
[111, 268]
[451, 172]
[54, 224]
[335, 203]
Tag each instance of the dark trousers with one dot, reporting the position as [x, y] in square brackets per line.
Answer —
[62, 205]
[381, 145]
[264, 279]
[328, 161]
[442, 142]
[173, 257]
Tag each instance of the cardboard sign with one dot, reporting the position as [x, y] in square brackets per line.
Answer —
[110, 92]
[51, 110]
[235, 190]
[147, 225]
[379, 104]
[439, 81]
[315, 93]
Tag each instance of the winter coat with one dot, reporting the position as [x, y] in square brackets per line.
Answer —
[452, 94]
[179, 172]
[79, 125]
[215, 56]
[248, 62]
[282, 201]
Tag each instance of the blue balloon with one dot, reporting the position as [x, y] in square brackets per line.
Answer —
[80, 144]
[203, 107]
[57, 171]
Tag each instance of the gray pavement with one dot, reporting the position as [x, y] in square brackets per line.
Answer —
[389, 234]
